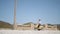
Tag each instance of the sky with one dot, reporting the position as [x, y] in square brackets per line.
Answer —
[30, 11]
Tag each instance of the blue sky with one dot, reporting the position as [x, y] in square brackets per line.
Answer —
[30, 11]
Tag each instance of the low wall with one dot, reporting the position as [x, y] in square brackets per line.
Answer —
[28, 32]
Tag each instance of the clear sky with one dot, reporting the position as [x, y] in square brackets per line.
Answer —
[30, 11]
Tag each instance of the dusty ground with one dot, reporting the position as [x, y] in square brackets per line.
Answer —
[29, 32]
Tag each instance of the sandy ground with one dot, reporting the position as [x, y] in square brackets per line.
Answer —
[29, 32]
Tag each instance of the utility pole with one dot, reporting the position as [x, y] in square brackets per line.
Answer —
[15, 25]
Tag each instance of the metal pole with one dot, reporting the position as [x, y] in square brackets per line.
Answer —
[15, 25]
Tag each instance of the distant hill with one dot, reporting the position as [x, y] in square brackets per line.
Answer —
[29, 23]
[5, 25]
[58, 26]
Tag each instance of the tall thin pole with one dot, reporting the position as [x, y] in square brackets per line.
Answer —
[15, 25]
